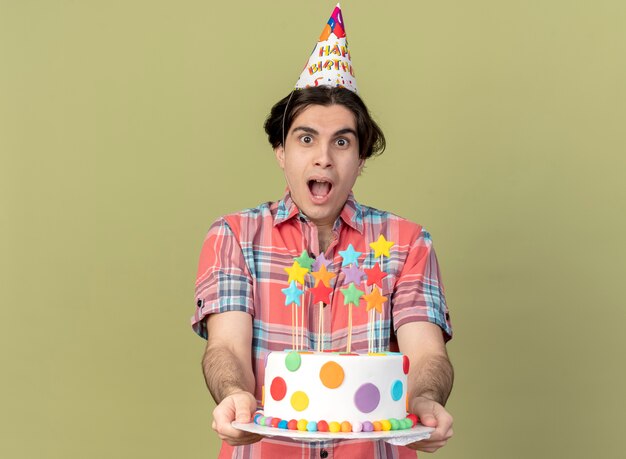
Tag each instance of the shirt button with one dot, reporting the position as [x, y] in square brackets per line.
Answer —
[323, 454]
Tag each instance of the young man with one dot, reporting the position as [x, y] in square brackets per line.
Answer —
[321, 137]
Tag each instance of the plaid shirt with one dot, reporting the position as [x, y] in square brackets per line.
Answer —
[241, 268]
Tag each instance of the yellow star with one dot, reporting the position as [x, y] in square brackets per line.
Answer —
[381, 247]
[323, 275]
[375, 300]
[296, 272]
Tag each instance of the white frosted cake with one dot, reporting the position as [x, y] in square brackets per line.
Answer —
[322, 389]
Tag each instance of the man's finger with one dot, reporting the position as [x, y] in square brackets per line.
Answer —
[428, 449]
[444, 422]
[425, 411]
[428, 445]
[244, 409]
[222, 416]
[428, 420]
[441, 433]
[245, 440]
[226, 431]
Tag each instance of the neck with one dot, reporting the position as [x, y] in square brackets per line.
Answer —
[325, 236]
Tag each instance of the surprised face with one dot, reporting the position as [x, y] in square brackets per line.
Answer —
[321, 161]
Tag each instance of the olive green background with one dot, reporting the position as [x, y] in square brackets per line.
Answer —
[127, 127]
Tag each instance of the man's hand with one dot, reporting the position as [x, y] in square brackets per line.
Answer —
[228, 372]
[431, 414]
[430, 380]
[238, 406]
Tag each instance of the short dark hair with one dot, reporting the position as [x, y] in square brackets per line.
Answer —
[371, 138]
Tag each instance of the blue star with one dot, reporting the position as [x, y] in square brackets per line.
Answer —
[349, 256]
[292, 294]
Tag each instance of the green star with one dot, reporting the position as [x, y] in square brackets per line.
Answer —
[351, 295]
[305, 260]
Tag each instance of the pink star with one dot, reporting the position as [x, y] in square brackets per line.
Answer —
[319, 261]
[353, 274]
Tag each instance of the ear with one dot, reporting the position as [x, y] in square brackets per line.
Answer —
[361, 165]
[280, 156]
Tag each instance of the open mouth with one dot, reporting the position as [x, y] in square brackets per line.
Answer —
[319, 188]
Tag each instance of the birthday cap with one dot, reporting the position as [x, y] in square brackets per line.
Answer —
[329, 63]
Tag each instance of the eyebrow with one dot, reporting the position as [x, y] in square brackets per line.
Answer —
[310, 130]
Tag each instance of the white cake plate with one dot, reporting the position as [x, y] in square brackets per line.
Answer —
[395, 437]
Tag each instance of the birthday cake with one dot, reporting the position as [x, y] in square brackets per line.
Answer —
[336, 392]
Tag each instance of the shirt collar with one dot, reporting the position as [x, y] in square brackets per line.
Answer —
[351, 214]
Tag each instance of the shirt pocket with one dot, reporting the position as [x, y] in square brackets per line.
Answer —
[387, 290]
[389, 285]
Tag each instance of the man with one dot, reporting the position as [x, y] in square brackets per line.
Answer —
[321, 137]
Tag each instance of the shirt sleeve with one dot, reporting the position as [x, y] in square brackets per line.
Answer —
[223, 282]
[419, 293]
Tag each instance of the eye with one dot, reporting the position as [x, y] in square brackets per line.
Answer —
[306, 139]
[341, 142]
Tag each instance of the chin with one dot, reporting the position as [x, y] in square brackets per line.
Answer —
[326, 212]
[323, 215]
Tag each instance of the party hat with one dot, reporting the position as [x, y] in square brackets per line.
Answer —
[329, 63]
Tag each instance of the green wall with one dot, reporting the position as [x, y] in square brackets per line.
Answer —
[127, 127]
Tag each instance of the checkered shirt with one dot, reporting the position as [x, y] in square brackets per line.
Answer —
[241, 268]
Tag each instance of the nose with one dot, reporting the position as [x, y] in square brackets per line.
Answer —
[323, 157]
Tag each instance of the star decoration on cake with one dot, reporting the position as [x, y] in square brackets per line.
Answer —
[323, 276]
[296, 273]
[321, 293]
[375, 275]
[375, 300]
[351, 295]
[381, 247]
[292, 294]
[353, 274]
[305, 260]
[350, 256]
[320, 261]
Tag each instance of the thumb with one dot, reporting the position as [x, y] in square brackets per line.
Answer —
[428, 420]
[425, 411]
[243, 409]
